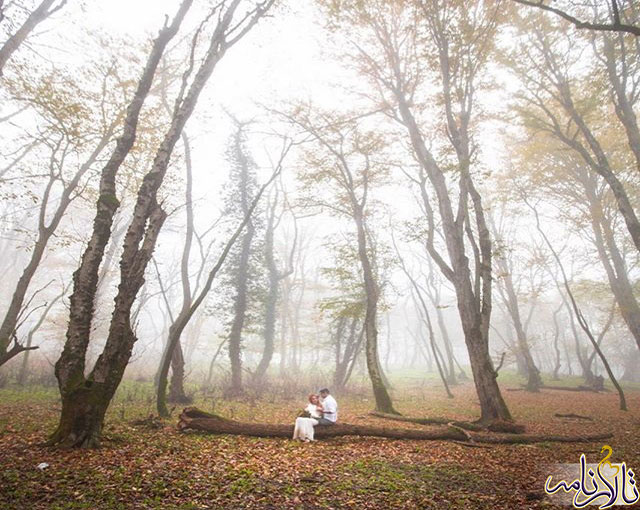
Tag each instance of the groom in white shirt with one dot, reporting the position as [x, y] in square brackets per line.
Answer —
[329, 408]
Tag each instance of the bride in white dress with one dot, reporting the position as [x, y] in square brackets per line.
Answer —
[304, 426]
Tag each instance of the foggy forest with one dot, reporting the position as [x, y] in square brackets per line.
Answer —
[323, 254]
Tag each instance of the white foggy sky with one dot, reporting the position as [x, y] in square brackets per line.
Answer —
[286, 57]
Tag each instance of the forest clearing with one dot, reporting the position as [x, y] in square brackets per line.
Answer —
[153, 465]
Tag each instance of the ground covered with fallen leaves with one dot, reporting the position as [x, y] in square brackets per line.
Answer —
[148, 465]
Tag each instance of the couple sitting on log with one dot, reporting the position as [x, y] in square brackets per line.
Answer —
[321, 410]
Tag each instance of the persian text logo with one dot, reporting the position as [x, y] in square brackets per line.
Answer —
[604, 484]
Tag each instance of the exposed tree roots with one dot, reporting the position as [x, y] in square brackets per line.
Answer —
[193, 418]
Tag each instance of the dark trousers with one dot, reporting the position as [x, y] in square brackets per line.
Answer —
[324, 421]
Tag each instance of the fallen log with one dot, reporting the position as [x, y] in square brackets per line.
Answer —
[538, 438]
[590, 389]
[433, 420]
[499, 426]
[572, 415]
[195, 419]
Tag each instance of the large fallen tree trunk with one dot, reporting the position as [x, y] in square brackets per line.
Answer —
[497, 426]
[193, 418]
[565, 388]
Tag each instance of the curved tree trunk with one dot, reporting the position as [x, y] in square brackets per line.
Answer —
[178, 326]
[85, 401]
[176, 388]
[275, 277]
[173, 347]
[580, 318]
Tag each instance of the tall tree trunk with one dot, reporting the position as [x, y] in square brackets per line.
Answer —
[347, 349]
[474, 310]
[275, 276]
[81, 426]
[284, 315]
[176, 388]
[85, 401]
[340, 368]
[556, 338]
[387, 354]
[174, 349]
[241, 288]
[178, 326]
[350, 354]
[510, 341]
[271, 305]
[382, 397]
[70, 367]
[583, 360]
[567, 356]
[235, 347]
[446, 340]
[534, 381]
[464, 229]
[511, 302]
[434, 296]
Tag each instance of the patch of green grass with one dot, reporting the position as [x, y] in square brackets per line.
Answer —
[244, 481]
[404, 481]
[29, 394]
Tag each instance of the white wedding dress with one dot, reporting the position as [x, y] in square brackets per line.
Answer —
[304, 426]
